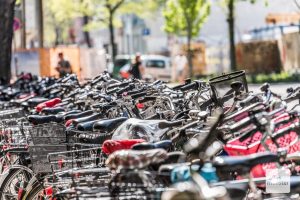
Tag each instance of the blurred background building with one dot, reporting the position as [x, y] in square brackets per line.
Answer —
[271, 30]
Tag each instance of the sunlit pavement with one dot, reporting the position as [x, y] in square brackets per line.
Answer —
[278, 88]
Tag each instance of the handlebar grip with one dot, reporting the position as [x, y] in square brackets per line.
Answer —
[120, 85]
[247, 100]
[129, 87]
[109, 105]
[135, 92]
[112, 86]
[147, 98]
[191, 86]
[112, 91]
[66, 79]
[136, 96]
[157, 82]
[67, 85]
[103, 96]
[292, 97]
[96, 80]
[124, 84]
[178, 87]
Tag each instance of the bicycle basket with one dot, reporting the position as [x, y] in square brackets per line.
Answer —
[50, 134]
[221, 85]
[66, 160]
[39, 156]
[15, 113]
[86, 137]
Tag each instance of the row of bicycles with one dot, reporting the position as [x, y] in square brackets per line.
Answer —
[131, 139]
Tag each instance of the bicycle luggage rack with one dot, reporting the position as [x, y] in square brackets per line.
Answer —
[45, 139]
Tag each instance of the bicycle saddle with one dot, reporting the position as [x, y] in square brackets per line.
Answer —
[86, 126]
[132, 159]
[93, 117]
[52, 111]
[71, 112]
[166, 169]
[37, 119]
[167, 124]
[232, 163]
[78, 115]
[18, 102]
[36, 100]
[110, 146]
[49, 104]
[108, 125]
[165, 144]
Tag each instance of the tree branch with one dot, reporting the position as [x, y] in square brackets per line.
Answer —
[117, 5]
[108, 6]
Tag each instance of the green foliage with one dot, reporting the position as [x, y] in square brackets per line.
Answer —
[185, 17]
[282, 77]
[60, 13]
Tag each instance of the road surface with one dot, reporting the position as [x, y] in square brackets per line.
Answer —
[278, 88]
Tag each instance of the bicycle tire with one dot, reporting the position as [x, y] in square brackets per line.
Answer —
[10, 176]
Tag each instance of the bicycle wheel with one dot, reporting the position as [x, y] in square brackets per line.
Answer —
[6, 162]
[38, 192]
[12, 181]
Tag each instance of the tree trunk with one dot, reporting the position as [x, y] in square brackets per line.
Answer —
[231, 34]
[57, 36]
[112, 36]
[23, 28]
[40, 22]
[6, 36]
[86, 34]
[190, 54]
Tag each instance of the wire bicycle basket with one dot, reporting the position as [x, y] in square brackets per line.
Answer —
[76, 159]
[88, 137]
[221, 85]
[45, 139]
[14, 113]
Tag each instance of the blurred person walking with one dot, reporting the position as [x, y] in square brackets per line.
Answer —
[137, 69]
[63, 66]
[180, 64]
